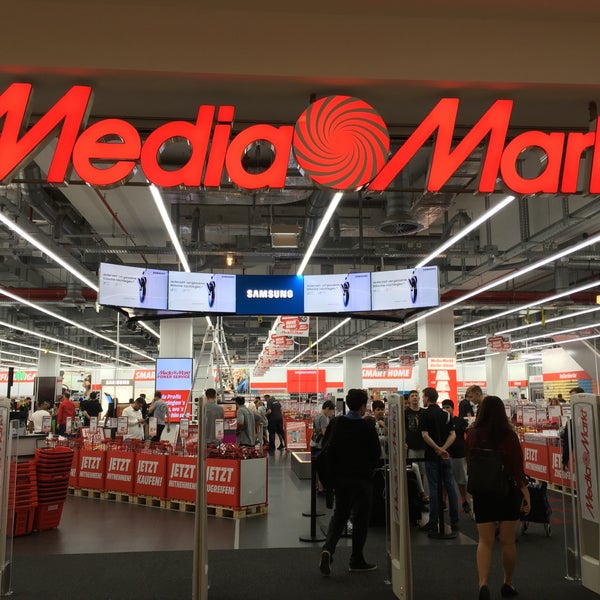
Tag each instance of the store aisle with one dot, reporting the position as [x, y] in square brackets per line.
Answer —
[261, 555]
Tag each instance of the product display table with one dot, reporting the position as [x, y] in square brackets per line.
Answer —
[301, 464]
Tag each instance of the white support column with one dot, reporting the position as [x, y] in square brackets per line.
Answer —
[352, 371]
[176, 338]
[435, 340]
[496, 375]
[48, 365]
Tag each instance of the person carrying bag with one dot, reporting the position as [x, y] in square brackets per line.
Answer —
[498, 484]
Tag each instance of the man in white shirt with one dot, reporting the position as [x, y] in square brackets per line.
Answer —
[37, 419]
[135, 420]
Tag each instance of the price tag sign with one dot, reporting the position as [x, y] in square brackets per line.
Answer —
[122, 425]
[47, 424]
[152, 426]
[219, 429]
[184, 428]
[93, 424]
[69, 425]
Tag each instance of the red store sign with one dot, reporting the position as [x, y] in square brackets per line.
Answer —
[356, 157]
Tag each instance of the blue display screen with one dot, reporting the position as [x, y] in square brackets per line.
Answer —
[269, 295]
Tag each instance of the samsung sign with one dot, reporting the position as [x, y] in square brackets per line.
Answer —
[269, 295]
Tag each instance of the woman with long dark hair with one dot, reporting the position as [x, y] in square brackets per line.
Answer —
[493, 431]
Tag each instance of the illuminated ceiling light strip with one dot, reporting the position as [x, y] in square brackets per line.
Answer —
[149, 329]
[475, 339]
[160, 205]
[324, 336]
[61, 342]
[39, 351]
[553, 333]
[551, 320]
[479, 349]
[391, 350]
[546, 300]
[320, 230]
[54, 315]
[65, 265]
[540, 263]
[463, 232]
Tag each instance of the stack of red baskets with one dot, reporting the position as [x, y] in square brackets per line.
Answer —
[53, 468]
[22, 498]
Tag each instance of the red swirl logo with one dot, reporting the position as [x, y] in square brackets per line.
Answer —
[341, 142]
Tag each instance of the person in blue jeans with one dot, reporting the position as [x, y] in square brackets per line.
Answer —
[437, 429]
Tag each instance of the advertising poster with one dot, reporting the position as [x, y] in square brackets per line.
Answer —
[174, 377]
[441, 375]
[133, 287]
[269, 295]
[296, 435]
[406, 288]
[337, 293]
[201, 292]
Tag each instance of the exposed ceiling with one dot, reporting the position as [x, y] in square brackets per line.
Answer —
[394, 230]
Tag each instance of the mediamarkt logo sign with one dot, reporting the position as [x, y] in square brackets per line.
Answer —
[340, 142]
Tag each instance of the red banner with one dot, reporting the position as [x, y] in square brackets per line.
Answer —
[181, 483]
[74, 473]
[294, 326]
[535, 453]
[91, 469]
[150, 475]
[120, 467]
[295, 434]
[222, 482]
[305, 381]
[176, 399]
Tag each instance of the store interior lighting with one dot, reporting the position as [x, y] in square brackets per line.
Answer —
[466, 230]
[55, 352]
[320, 230]
[5, 292]
[493, 284]
[160, 205]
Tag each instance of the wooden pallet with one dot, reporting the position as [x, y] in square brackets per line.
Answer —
[152, 501]
[119, 496]
[179, 505]
[229, 512]
[88, 493]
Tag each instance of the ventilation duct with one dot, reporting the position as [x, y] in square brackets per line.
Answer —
[398, 217]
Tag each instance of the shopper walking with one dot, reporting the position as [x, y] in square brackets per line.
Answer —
[66, 409]
[245, 432]
[212, 412]
[275, 418]
[437, 430]
[354, 451]
[160, 409]
[493, 431]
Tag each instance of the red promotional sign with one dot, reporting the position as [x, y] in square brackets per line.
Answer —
[91, 469]
[281, 341]
[182, 478]
[294, 326]
[144, 375]
[120, 467]
[176, 399]
[222, 482]
[357, 138]
[441, 375]
[566, 376]
[558, 475]
[150, 475]
[498, 343]
[295, 433]
[535, 453]
[305, 381]
[19, 376]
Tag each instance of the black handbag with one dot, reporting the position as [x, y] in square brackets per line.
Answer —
[324, 461]
[486, 474]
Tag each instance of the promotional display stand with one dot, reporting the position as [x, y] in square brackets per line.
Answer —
[586, 445]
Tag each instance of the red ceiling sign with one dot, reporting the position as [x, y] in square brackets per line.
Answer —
[340, 142]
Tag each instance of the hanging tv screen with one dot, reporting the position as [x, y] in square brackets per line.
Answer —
[337, 293]
[201, 292]
[134, 287]
[405, 289]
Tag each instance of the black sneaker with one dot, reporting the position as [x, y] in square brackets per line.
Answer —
[361, 567]
[325, 563]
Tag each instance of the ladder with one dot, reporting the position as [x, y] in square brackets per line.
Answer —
[213, 356]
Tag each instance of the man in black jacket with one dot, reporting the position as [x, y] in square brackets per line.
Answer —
[354, 450]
